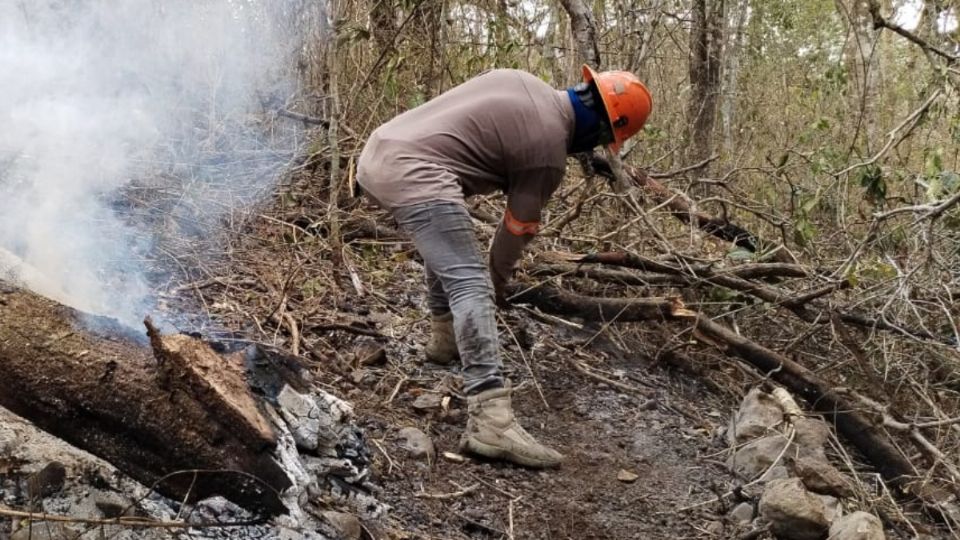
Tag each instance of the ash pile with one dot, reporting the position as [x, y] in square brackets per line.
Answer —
[320, 448]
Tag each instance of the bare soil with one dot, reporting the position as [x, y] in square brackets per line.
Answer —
[665, 439]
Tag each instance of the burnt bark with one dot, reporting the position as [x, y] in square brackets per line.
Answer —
[151, 412]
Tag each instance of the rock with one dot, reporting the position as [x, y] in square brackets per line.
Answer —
[755, 457]
[812, 434]
[427, 401]
[759, 413]
[857, 526]
[821, 477]
[627, 477]
[347, 524]
[714, 527]
[793, 512]
[742, 513]
[370, 354]
[47, 481]
[831, 506]
[417, 443]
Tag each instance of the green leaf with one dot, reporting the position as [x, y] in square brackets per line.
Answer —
[871, 179]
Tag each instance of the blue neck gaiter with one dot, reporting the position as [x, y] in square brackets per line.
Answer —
[587, 124]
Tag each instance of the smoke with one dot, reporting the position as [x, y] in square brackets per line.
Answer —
[100, 95]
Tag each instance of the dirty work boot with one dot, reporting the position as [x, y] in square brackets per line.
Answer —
[492, 431]
[442, 347]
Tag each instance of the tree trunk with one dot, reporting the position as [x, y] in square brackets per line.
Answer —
[151, 413]
[706, 47]
[584, 31]
[731, 71]
[863, 65]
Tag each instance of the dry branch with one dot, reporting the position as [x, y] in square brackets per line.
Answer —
[556, 301]
[800, 304]
[98, 386]
[682, 208]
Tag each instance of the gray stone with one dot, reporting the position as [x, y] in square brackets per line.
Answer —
[347, 524]
[822, 477]
[857, 526]
[427, 401]
[743, 513]
[754, 458]
[831, 506]
[417, 443]
[759, 413]
[793, 512]
[777, 472]
[812, 434]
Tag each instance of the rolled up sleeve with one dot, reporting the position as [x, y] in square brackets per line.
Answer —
[527, 195]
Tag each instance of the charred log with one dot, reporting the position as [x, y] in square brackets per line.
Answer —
[151, 412]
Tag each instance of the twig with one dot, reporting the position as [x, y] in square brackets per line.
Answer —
[894, 134]
[579, 366]
[447, 496]
[523, 357]
[682, 170]
[390, 462]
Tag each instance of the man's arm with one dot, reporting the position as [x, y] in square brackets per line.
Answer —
[521, 222]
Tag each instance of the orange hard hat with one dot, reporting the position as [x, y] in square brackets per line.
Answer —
[626, 100]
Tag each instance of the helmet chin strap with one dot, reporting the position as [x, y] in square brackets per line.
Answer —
[591, 127]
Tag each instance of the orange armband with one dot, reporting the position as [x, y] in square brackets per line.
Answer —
[519, 228]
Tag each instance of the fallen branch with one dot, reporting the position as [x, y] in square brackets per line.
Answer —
[555, 301]
[802, 305]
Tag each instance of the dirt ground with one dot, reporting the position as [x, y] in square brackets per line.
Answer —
[666, 433]
[647, 419]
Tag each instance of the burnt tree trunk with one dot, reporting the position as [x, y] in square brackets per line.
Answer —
[151, 412]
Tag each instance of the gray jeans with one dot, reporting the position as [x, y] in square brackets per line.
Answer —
[458, 281]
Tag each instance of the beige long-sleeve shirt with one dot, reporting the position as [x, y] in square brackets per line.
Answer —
[504, 130]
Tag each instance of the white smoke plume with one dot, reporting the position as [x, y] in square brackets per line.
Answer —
[96, 94]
